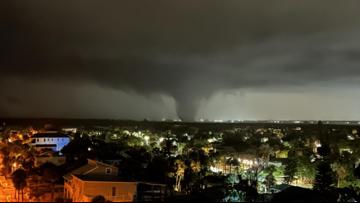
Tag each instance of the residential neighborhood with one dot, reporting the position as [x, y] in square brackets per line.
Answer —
[177, 161]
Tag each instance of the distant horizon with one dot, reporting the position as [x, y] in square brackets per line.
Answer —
[173, 120]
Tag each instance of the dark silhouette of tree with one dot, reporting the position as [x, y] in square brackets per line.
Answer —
[51, 175]
[324, 150]
[290, 169]
[325, 177]
[98, 198]
[157, 169]
[322, 131]
[357, 172]
[167, 145]
[34, 190]
[19, 181]
[59, 199]
[77, 151]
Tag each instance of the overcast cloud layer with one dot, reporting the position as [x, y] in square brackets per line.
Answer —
[139, 59]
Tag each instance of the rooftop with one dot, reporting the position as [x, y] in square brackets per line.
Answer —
[105, 178]
[50, 135]
[85, 169]
[111, 178]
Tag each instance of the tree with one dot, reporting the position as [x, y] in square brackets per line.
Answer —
[341, 172]
[290, 170]
[19, 180]
[98, 198]
[324, 179]
[264, 152]
[34, 190]
[51, 175]
[270, 178]
[306, 169]
[357, 172]
[77, 151]
[344, 168]
[180, 170]
[232, 162]
[157, 169]
[168, 145]
[324, 150]
[59, 199]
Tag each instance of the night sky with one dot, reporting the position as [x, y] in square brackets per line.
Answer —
[193, 59]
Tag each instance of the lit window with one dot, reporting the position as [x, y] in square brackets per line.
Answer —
[108, 170]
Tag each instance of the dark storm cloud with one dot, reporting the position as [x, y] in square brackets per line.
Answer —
[185, 49]
[14, 100]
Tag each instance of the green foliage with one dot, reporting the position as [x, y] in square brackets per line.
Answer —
[306, 170]
[232, 179]
[270, 178]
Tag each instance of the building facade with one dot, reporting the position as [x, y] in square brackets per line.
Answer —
[54, 141]
[96, 178]
[85, 188]
[93, 168]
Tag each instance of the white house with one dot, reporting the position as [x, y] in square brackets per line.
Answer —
[50, 140]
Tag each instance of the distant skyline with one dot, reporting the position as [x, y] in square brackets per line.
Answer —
[229, 60]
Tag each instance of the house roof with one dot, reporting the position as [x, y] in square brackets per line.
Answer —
[83, 170]
[281, 187]
[112, 178]
[105, 178]
[79, 171]
[50, 135]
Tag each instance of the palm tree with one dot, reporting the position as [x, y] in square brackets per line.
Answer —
[19, 181]
[341, 173]
[179, 174]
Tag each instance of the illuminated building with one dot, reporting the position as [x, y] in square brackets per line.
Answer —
[54, 141]
[96, 178]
